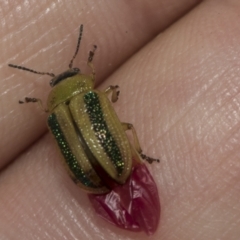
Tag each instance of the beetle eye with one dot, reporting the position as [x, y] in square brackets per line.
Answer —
[76, 70]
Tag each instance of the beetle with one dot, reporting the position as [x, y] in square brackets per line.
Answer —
[91, 138]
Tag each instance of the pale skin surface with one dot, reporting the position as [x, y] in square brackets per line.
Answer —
[181, 91]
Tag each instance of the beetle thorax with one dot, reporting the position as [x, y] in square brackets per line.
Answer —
[70, 87]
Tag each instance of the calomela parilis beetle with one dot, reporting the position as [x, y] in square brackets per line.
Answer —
[95, 149]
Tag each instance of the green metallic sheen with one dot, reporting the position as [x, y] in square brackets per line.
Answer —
[101, 130]
[95, 149]
[67, 153]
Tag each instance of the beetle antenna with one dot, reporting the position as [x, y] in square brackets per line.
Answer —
[77, 48]
[30, 70]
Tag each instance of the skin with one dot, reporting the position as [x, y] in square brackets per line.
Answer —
[177, 65]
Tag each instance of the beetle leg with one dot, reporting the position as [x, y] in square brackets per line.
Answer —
[39, 101]
[90, 59]
[113, 90]
[129, 126]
